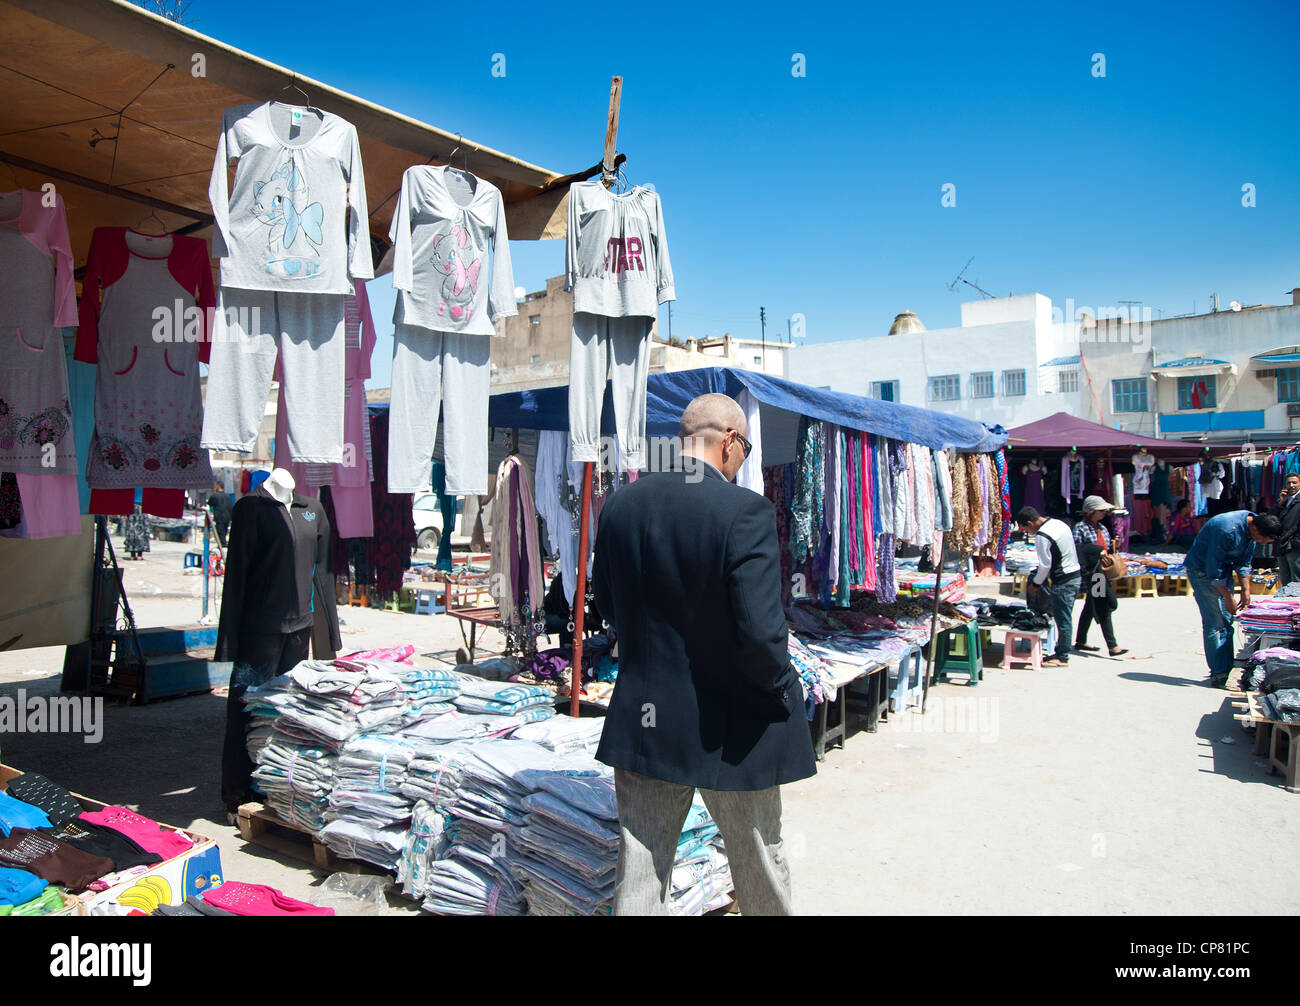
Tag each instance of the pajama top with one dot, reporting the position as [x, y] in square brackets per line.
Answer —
[447, 222]
[296, 219]
[616, 252]
[145, 303]
[37, 298]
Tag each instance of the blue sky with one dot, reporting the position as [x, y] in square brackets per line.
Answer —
[821, 195]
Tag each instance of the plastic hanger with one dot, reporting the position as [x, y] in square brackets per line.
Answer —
[139, 228]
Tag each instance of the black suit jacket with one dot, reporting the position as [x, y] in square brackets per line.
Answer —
[687, 571]
[1289, 513]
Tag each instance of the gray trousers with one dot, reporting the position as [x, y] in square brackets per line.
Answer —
[620, 349]
[307, 330]
[431, 369]
[650, 818]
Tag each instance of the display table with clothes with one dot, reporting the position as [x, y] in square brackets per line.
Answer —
[62, 853]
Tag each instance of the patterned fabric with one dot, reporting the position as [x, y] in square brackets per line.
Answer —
[1004, 483]
[961, 535]
[808, 490]
[776, 487]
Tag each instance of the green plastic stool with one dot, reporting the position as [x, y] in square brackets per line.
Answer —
[960, 649]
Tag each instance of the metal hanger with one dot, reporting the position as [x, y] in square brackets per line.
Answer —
[294, 84]
[454, 150]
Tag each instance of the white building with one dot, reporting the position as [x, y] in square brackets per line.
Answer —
[1223, 376]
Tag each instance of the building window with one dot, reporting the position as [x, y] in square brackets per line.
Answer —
[946, 388]
[1013, 383]
[534, 319]
[1198, 392]
[1288, 384]
[758, 360]
[1067, 381]
[886, 391]
[1129, 395]
[535, 359]
[981, 385]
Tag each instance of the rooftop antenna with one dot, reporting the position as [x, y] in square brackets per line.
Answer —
[961, 278]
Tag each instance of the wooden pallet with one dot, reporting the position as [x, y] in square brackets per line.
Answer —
[259, 825]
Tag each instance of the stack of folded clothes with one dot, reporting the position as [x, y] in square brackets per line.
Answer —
[296, 779]
[505, 698]
[368, 814]
[1271, 614]
[429, 692]
[564, 734]
[302, 719]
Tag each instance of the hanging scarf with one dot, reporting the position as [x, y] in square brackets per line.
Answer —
[809, 489]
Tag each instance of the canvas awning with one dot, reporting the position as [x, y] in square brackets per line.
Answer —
[1061, 431]
[783, 403]
[103, 100]
[1192, 366]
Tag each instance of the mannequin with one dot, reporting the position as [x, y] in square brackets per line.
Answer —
[278, 585]
[1034, 473]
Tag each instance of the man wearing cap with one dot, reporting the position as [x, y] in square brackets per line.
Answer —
[1092, 539]
[1056, 558]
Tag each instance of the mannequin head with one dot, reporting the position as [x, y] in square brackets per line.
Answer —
[280, 484]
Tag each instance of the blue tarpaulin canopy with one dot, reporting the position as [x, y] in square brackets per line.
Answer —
[668, 394]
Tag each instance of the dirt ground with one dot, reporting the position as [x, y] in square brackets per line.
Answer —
[1116, 786]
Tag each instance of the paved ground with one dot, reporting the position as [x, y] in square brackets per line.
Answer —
[1111, 787]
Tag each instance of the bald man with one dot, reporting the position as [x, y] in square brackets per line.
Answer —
[687, 572]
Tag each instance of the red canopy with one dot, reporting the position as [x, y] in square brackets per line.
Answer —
[1062, 431]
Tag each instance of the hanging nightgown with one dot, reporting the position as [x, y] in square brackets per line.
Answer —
[145, 304]
[37, 299]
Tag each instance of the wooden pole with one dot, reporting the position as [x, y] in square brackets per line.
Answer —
[580, 594]
[934, 623]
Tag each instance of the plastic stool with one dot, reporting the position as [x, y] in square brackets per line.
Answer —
[960, 650]
[1019, 581]
[905, 680]
[1013, 653]
[193, 560]
[426, 602]
[1145, 586]
[1123, 587]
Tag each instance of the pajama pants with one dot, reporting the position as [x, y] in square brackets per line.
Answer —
[259, 657]
[650, 818]
[431, 369]
[619, 348]
[307, 329]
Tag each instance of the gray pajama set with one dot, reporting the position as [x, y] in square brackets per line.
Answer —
[447, 222]
[618, 270]
[292, 235]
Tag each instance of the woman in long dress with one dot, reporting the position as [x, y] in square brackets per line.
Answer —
[135, 532]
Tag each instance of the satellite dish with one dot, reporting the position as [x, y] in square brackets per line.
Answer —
[520, 293]
[1234, 305]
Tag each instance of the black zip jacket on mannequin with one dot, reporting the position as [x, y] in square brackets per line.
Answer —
[278, 574]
